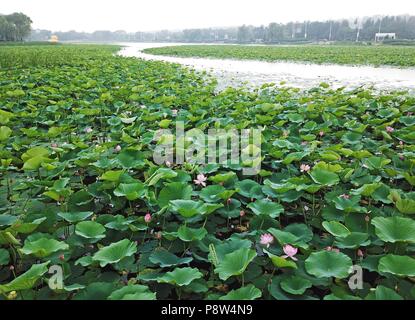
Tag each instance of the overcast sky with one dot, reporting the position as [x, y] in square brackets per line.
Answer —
[146, 15]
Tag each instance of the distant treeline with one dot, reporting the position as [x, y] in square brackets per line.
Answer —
[363, 29]
[14, 27]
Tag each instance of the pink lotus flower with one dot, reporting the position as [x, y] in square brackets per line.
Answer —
[241, 213]
[390, 129]
[54, 145]
[174, 112]
[290, 252]
[147, 218]
[305, 168]
[200, 180]
[321, 133]
[88, 130]
[117, 148]
[266, 239]
[360, 253]
[345, 196]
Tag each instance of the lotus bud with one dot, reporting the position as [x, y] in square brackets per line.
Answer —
[147, 218]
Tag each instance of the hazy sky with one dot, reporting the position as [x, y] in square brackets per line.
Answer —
[145, 15]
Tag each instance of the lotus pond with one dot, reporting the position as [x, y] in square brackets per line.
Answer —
[322, 54]
[332, 205]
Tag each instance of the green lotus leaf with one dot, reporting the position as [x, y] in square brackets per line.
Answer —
[112, 175]
[352, 138]
[27, 280]
[295, 285]
[133, 292]
[350, 204]
[384, 293]
[90, 230]
[73, 217]
[212, 193]
[325, 264]
[295, 234]
[130, 159]
[174, 191]
[324, 177]
[7, 220]
[5, 133]
[223, 177]
[367, 189]
[131, 191]
[35, 157]
[164, 259]
[191, 234]
[26, 227]
[266, 207]
[280, 188]
[115, 252]
[406, 206]
[281, 262]
[35, 152]
[249, 189]
[353, 241]
[180, 276]
[336, 229]
[395, 229]
[402, 266]
[43, 247]
[187, 208]
[4, 257]
[250, 292]
[225, 247]
[160, 174]
[235, 263]
[376, 163]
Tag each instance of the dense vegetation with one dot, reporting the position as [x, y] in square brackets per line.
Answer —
[79, 188]
[352, 55]
[14, 27]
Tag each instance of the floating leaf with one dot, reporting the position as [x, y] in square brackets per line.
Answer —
[295, 285]
[180, 276]
[164, 259]
[395, 229]
[235, 263]
[115, 252]
[250, 292]
[325, 264]
[43, 247]
[403, 266]
[266, 207]
[133, 292]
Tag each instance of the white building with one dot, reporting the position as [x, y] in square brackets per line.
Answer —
[385, 36]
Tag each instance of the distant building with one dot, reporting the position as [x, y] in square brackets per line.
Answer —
[385, 36]
[54, 39]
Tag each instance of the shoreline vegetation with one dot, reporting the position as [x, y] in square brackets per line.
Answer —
[80, 192]
[397, 56]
